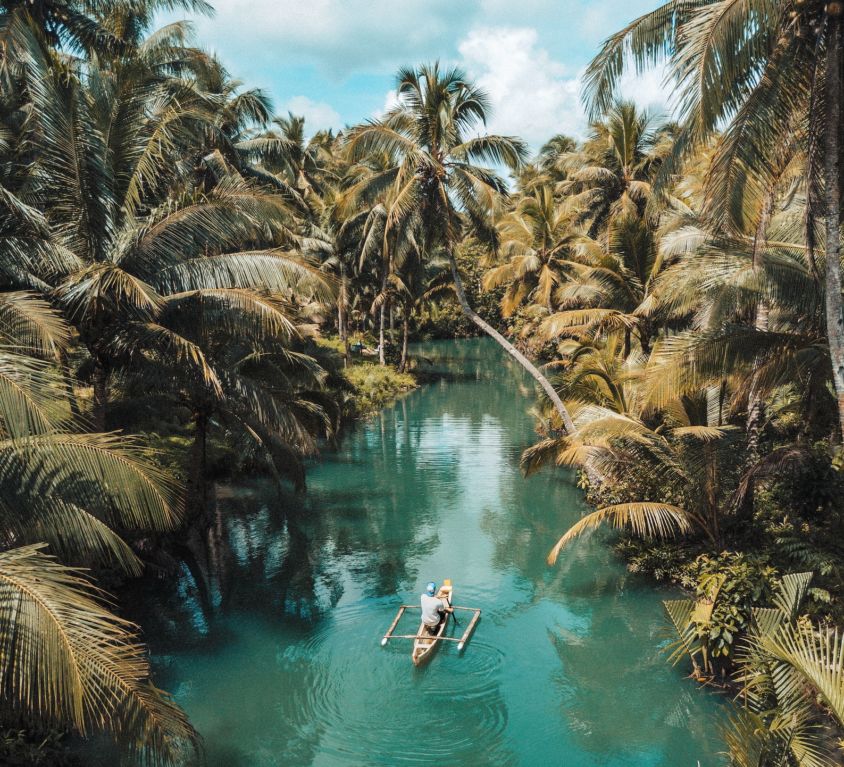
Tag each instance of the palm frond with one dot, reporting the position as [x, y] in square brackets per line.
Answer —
[645, 519]
[66, 658]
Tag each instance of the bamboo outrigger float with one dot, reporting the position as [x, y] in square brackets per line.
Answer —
[424, 643]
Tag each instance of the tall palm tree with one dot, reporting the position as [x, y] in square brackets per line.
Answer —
[768, 74]
[335, 240]
[435, 178]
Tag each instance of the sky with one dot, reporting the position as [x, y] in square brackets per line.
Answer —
[334, 61]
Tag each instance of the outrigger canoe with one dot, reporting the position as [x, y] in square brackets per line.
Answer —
[426, 643]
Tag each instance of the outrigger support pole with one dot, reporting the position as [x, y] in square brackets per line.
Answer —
[393, 625]
[470, 628]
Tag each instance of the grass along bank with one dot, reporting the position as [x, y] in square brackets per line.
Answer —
[375, 386]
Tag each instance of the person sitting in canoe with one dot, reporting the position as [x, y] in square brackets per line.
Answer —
[433, 608]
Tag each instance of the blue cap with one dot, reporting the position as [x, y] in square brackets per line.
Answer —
[431, 588]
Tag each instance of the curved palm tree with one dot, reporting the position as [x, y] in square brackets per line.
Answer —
[434, 177]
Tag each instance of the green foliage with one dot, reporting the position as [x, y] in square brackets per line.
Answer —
[741, 583]
[662, 561]
[375, 386]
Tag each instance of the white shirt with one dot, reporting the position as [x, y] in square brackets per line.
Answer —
[431, 609]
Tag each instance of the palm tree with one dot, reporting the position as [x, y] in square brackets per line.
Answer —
[610, 283]
[769, 74]
[536, 239]
[306, 164]
[238, 132]
[88, 26]
[612, 175]
[336, 241]
[129, 245]
[434, 178]
[67, 660]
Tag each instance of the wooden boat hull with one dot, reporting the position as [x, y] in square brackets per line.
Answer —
[426, 645]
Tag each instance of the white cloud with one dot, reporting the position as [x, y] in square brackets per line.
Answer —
[390, 100]
[340, 35]
[318, 115]
[532, 95]
[648, 90]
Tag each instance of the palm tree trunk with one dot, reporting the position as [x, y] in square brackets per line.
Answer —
[197, 473]
[404, 334]
[645, 331]
[381, 359]
[755, 404]
[101, 376]
[532, 370]
[67, 377]
[834, 313]
[342, 322]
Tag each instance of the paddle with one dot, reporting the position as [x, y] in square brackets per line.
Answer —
[454, 615]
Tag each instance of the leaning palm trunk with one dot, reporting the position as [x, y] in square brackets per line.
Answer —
[534, 372]
[834, 315]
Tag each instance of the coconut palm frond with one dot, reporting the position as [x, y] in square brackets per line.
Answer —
[100, 471]
[277, 271]
[68, 659]
[646, 519]
[29, 322]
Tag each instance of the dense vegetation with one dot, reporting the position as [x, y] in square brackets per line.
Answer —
[684, 282]
[183, 270]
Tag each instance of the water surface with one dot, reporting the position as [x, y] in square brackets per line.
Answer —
[565, 667]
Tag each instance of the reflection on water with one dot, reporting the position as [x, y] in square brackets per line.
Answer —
[287, 670]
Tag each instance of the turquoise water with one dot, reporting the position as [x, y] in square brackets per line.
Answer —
[565, 667]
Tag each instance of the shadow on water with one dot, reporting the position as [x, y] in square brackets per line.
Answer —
[287, 669]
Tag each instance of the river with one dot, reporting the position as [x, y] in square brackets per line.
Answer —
[565, 668]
